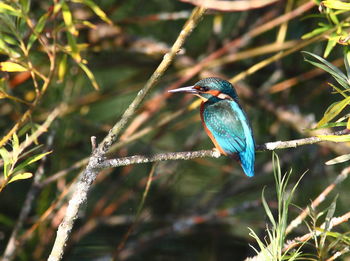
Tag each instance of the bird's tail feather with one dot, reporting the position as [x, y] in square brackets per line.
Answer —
[247, 159]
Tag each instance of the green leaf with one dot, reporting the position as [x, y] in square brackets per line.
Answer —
[74, 47]
[332, 41]
[39, 27]
[267, 209]
[15, 142]
[335, 4]
[335, 138]
[30, 160]
[339, 159]
[62, 68]
[25, 4]
[5, 49]
[334, 18]
[331, 125]
[333, 111]
[315, 32]
[12, 67]
[8, 39]
[90, 75]
[5, 155]
[68, 19]
[25, 175]
[57, 7]
[7, 9]
[337, 90]
[321, 63]
[97, 10]
[329, 216]
[347, 61]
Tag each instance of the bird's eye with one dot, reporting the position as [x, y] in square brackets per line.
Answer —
[203, 89]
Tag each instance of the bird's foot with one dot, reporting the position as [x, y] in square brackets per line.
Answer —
[217, 153]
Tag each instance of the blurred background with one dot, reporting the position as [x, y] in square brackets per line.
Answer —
[198, 209]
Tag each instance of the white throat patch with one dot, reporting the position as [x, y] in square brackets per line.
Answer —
[224, 96]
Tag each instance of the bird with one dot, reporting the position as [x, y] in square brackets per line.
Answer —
[224, 120]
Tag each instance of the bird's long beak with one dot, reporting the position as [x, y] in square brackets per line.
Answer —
[188, 89]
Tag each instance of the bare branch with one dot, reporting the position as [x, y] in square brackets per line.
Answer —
[186, 155]
[138, 159]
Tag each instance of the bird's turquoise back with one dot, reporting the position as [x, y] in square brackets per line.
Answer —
[229, 126]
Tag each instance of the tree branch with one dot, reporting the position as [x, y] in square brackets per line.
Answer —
[186, 155]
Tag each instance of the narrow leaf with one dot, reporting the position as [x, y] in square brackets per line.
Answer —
[315, 32]
[335, 4]
[339, 159]
[57, 7]
[334, 18]
[267, 209]
[5, 155]
[68, 19]
[74, 47]
[331, 125]
[347, 61]
[25, 4]
[30, 160]
[39, 27]
[15, 142]
[25, 175]
[12, 67]
[337, 74]
[8, 39]
[5, 49]
[334, 111]
[90, 75]
[62, 68]
[330, 45]
[7, 161]
[329, 216]
[7, 9]
[96, 9]
[335, 138]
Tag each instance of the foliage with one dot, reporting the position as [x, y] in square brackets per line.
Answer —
[272, 249]
[337, 107]
[13, 171]
[332, 12]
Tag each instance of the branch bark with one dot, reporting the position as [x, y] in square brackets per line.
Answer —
[186, 155]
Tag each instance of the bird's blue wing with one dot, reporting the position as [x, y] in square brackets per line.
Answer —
[229, 126]
[225, 125]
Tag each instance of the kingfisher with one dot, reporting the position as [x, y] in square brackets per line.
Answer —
[224, 120]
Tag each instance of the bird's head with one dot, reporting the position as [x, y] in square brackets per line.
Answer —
[211, 89]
